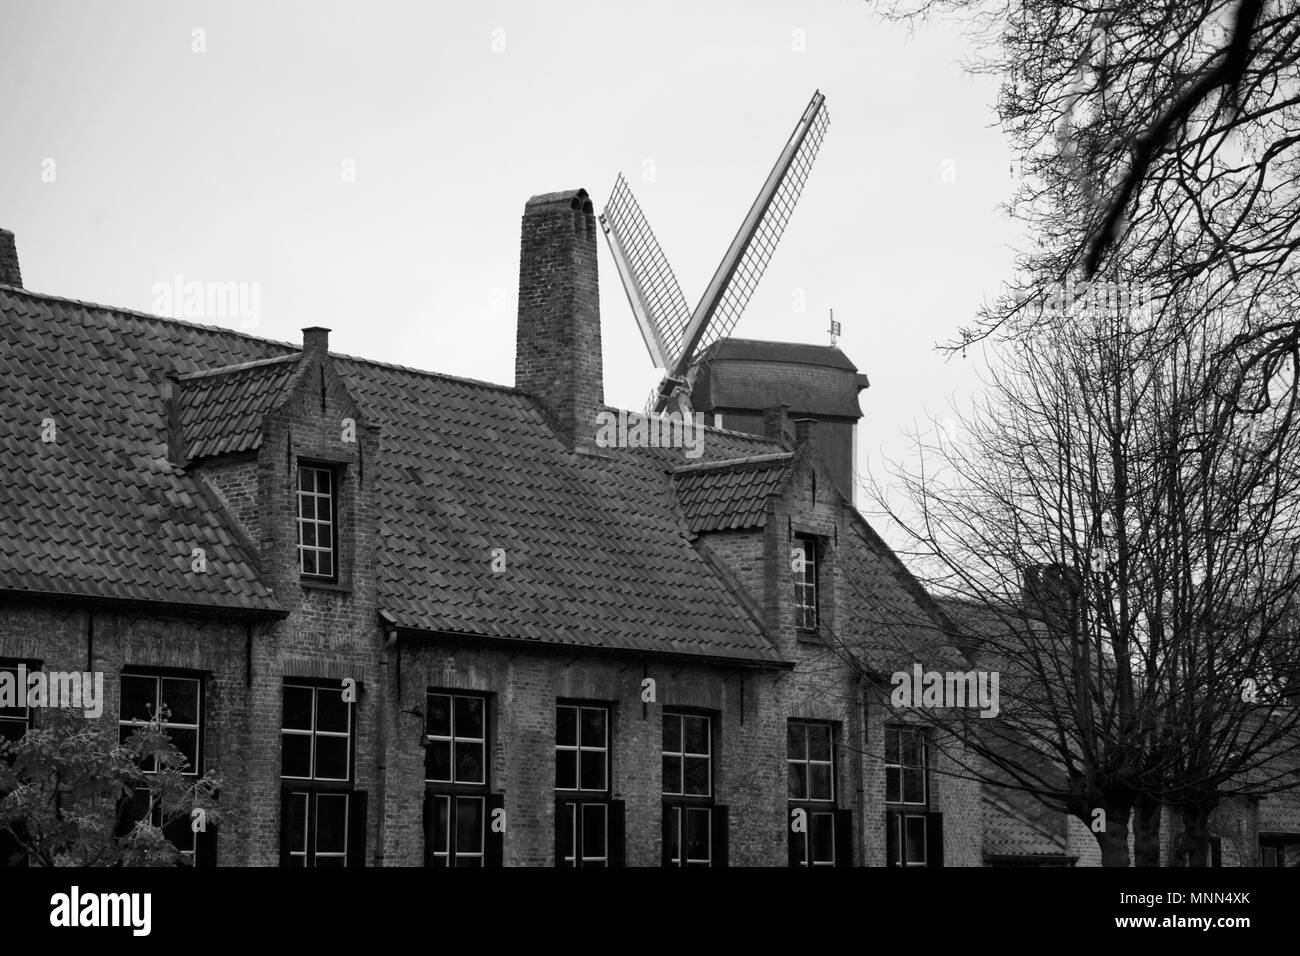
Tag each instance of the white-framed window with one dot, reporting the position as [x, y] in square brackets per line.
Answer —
[581, 748]
[690, 835]
[317, 513]
[15, 721]
[455, 738]
[806, 595]
[178, 699]
[906, 760]
[814, 817]
[316, 732]
[688, 755]
[319, 828]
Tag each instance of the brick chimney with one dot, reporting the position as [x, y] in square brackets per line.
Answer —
[805, 434]
[557, 341]
[9, 272]
[775, 423]
[315, 340]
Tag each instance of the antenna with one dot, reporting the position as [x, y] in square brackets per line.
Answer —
[674, 337]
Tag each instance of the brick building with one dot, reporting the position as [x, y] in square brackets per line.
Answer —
[559, 652]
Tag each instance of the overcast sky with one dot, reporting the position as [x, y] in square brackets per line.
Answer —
[231, 165]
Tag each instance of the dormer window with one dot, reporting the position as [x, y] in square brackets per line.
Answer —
[318, 522]
[805, 584]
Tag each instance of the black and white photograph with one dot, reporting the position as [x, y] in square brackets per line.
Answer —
[638, 434]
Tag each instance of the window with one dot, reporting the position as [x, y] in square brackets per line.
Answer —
[914, 835]
[905, 765]
[805, 584]
[819, 831]
[588, 825]
[695, 829]
[317, 513]
[322, 816]
[175, 701]
[14, 723]
[459, 825]
[1272, 851]
[17, 720]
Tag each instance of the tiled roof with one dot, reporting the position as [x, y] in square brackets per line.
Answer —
[596, 552]
[100, 511]
[222, 410]
[1017, 825]
[761, 350]
[730, 496]
[812, 379]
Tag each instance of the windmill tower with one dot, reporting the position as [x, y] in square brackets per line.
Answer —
[675, 336]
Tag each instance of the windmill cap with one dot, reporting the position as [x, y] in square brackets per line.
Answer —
[572, 198]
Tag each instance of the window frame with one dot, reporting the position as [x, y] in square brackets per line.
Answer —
[316, 685]
[679, 806]
[158, 675]
[819, 811]
[573, 803]
[28, 720]
[456, 792]
[335, 472]
[903, 768]
[811, 546]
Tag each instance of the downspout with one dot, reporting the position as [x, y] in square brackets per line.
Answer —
[388, 635]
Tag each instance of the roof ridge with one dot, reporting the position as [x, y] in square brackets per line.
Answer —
[136, 313]
[242, 366]
[734, 462]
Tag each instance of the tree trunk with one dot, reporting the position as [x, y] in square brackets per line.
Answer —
[1146, 831]
[1194, 842]
[1114, 839]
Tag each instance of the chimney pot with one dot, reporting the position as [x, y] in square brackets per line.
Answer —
[805, 433]
[315, 340]
[9, 271]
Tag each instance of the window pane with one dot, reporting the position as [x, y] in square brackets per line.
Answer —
[593, 770]
[308, 534]
[296, 755]
[442, 811]
[469, 825]
[469, 763]
[893, 784]
[469, 716]
[593, 727]
[593, 830]
[820, 781]
[672, 733]
[306, 507]
[566, 726]
[697, 834]
[674, 819]
[298, 822]
[912, 749]
[331, 711]
[437, 761]
[297, 707]
[331, 823]
[325, 563]
[819, 741]
[672, 774]
[798, 781]
[891, 745]
[181, 697]
[308, 562]
[439, 719]
[566, 769]
[914, 786]
[324, 481]
[795, 741]
[331, 758]
[323, 536]
[187, 742]
[822, 831]
[914, 839]
[697, 734]
[697, 776]
[138, 697]
[306, 480]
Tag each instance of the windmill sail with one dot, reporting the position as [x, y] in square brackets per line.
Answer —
[751, 250]
[652, 290]
[674, 335]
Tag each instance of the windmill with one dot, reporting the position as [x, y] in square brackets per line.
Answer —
[674, 335]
